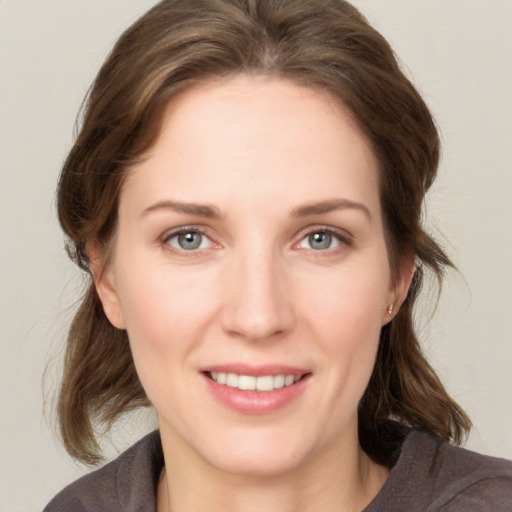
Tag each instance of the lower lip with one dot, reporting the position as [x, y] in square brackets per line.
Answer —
[256, 402]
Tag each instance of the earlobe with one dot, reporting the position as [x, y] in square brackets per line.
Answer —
[400, 289]
[104, 281]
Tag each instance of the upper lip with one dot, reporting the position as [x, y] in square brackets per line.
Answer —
[255, 371]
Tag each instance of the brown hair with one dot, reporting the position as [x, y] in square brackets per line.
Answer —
[325, 44]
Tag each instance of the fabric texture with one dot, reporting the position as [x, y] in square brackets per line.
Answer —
[428, 476]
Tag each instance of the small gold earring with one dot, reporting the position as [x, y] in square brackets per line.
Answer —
[390, 309]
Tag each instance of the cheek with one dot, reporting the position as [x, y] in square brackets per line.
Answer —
[346, 319]
[167, 312]
[163, 329]
[159, 303]
[352, 300]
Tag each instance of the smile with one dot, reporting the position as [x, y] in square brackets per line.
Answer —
[252, 383]
[256, 390]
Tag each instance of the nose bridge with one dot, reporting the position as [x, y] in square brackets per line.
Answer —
[259, 304]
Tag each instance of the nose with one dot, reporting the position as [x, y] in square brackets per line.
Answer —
[259, 304]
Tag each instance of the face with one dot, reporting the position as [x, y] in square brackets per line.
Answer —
[250, 270]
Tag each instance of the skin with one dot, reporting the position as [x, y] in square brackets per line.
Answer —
[258, 290]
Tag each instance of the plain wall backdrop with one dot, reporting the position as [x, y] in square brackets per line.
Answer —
[457, 52]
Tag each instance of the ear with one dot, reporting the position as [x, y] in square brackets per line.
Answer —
[399, 288]
[104, 280]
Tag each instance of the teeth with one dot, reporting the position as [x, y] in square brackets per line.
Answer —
[251, 383]
[265, 383]
[246, 382]
[232, 380]
[279, 381]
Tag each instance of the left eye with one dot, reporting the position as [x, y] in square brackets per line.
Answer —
[319, 241]
[189, 240]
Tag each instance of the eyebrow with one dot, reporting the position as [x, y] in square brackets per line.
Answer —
[202, 210]
[212, 212]
[329, 206]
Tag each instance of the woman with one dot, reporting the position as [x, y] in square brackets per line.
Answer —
[245, 193]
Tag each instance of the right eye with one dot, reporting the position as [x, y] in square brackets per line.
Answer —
[188, 240]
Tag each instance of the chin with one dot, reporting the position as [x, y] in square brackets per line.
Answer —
[266, 455]
[245, 465]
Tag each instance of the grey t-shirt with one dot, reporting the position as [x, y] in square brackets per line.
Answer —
[428, 476]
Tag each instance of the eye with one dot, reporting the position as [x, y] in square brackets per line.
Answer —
[321, 240]
[189, 240]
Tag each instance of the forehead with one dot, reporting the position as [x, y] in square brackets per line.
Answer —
[258, 136]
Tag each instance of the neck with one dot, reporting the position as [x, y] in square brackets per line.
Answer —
[343, 478]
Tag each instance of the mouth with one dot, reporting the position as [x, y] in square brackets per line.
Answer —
[256, 390]
[260, 383]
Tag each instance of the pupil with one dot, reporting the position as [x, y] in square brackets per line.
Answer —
[189, 241]
[320, 241]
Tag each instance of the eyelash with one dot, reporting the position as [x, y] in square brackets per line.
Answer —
[184, 230]
[343, 238]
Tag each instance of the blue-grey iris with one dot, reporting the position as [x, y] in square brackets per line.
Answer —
[320, 241]
[190, 241]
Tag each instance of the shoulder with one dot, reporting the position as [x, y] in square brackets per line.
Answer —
[433, 476]
[127, 483]
[470, 481]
